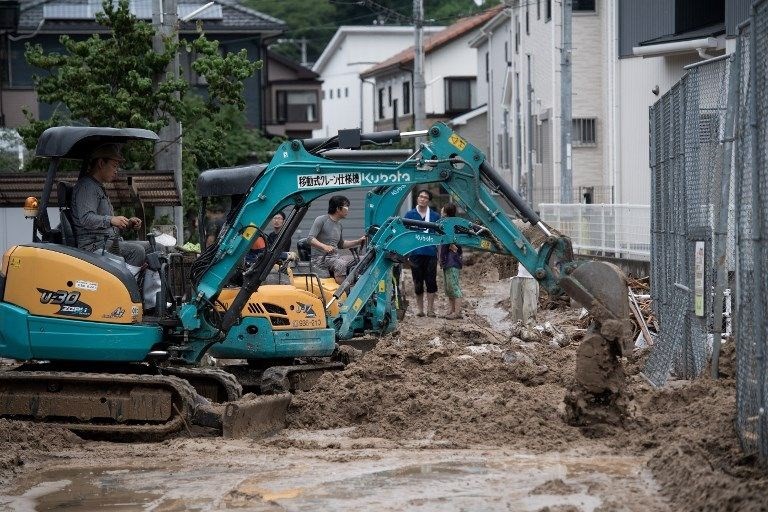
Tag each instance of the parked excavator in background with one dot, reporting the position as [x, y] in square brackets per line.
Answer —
[99, 371]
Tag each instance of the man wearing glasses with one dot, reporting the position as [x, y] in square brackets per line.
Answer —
[424, 260]
[94, 219]
[325, 237]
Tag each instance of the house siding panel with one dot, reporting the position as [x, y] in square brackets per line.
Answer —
[252, 90]
[359, 49]
[637, 77]
[640, 20]
[587, 69]
[736, 11]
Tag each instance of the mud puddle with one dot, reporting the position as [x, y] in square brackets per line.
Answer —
[377, 476]
[80, 489]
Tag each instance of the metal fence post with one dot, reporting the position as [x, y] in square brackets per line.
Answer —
[721, 227]
[760, 21]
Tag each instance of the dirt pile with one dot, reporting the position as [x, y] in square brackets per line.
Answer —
[21, 441]
[468, 383]
[695, 454]
[461, 383]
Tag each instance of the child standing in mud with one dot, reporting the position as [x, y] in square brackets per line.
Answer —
[451, 262]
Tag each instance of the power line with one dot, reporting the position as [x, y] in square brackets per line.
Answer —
[378, 8]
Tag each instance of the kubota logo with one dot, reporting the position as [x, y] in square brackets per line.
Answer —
[383, 179]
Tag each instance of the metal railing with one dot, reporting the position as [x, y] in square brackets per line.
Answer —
[613, 230]
[583, 194]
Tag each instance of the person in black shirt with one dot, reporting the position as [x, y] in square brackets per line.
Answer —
[277, 224]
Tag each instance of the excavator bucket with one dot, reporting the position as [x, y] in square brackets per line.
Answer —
[600, 394]
[255, 415]
[601, 287]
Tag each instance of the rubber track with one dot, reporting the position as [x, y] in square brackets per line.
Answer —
[274, 377]
[185, 396]
[226, 381]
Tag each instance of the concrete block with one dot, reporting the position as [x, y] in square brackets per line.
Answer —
[524, 295]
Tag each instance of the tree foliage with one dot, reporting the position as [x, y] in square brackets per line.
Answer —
[119, 80]
[318, 20]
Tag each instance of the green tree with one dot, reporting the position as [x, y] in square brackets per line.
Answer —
[318, 20]
[119, 80]
[314, 20]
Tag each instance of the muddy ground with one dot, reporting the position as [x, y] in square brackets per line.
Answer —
[441, 415]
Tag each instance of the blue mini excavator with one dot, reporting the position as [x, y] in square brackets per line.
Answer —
[95, 362]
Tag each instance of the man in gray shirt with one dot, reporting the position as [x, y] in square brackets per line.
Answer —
[325, 237]
[95, 222]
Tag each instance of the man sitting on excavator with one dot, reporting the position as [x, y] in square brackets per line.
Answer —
[325, 237]
[95, 222]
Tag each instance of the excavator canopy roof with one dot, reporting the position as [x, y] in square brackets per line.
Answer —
[228, 181]
[77, 142]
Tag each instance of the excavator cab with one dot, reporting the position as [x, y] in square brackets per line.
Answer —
[53, 291]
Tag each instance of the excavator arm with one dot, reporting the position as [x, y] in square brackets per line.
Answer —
[296, 177]
[396, 238]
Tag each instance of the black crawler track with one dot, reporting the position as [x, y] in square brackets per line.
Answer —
[102, 404]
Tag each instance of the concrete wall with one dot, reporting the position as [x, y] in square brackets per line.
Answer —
[15, 229]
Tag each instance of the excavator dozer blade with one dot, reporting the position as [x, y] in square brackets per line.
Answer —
[255, 415]
[601, 287]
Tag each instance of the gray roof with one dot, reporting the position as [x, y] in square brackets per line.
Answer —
[235, 18]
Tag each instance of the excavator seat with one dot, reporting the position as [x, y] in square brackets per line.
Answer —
[304, 249]
[304, 265]
[64, 193]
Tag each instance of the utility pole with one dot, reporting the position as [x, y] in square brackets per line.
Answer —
[303, 42]
[419, 87]
[529, 92]
[518, 181]
[566, 171]
[168, 148]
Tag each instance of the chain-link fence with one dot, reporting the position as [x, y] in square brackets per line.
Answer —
[709, 223]
[687, 126]
[751, 328]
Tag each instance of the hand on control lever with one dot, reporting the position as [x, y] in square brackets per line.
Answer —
[120, 222]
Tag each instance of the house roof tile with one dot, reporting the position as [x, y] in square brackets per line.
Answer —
[148, 187]
[235, 18]
[302, 73]
[440, 39]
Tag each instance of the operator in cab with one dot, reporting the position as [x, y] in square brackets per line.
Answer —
[95, 223]
[326, 238]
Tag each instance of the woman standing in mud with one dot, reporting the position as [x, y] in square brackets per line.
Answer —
[451, 261]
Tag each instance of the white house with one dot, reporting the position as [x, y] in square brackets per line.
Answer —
[656, 39]
[351, 50]
[626, 54]
[531, 96]
[450, 74]
[495, 80]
